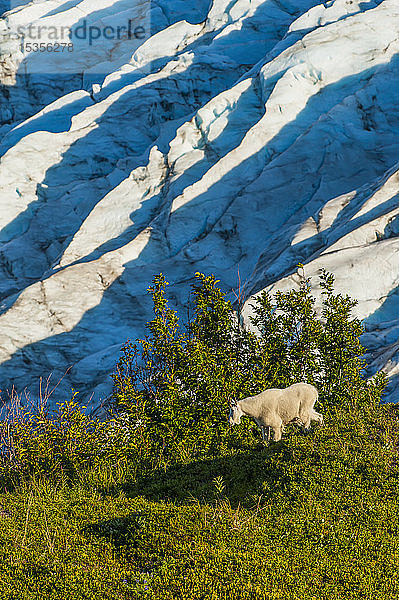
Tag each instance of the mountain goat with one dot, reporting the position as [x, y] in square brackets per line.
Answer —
[276, 407]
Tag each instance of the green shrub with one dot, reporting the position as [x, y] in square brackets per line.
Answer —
[322, 349]
[174, 387]
[44, 443]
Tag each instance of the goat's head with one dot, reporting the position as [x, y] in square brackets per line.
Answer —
[235, 413]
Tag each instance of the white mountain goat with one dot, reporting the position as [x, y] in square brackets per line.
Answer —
[277, 407]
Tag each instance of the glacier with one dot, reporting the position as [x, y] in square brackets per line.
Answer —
[250, 135]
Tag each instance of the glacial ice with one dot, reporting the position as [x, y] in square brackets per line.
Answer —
[254, 134]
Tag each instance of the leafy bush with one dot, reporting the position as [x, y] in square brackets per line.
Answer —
[322, 349]
[39, 442]
[174, 386]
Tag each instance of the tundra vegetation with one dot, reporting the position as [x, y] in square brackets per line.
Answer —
[163, 500]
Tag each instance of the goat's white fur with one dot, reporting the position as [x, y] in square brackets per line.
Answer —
[277, 407]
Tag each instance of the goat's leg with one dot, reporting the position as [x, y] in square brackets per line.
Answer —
[315, 416]
[265, 428]
[297, 421]
[262, 429]
[278, 429]
[304, 416]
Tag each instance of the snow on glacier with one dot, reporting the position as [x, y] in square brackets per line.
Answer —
[252, 134]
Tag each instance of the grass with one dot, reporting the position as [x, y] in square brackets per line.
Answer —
[312, 517]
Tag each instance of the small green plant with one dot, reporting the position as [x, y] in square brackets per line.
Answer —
[219, 485]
